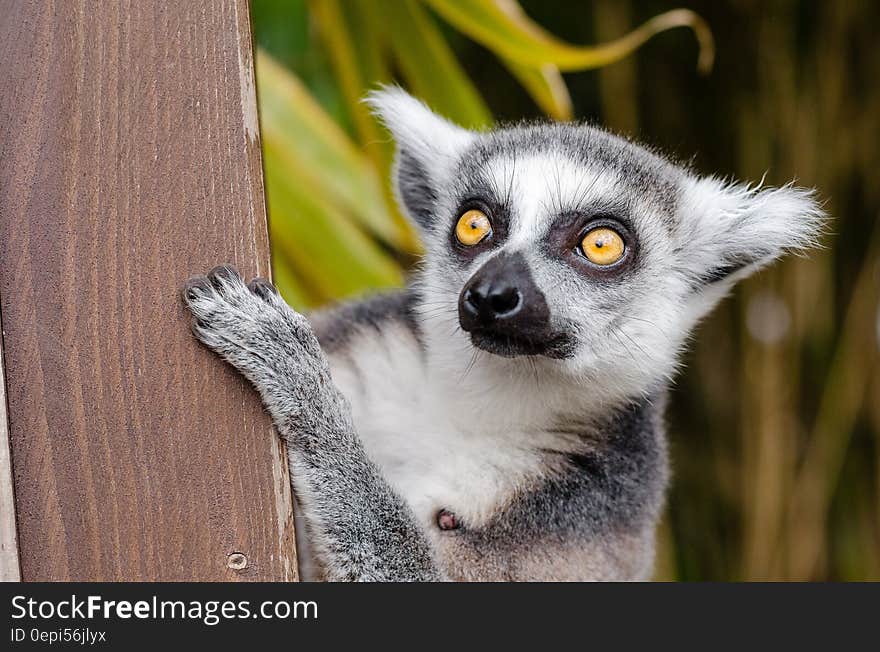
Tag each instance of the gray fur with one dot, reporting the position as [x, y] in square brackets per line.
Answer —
[650, 176]
[418, 451]
[335, 328]
[612, 489]
[354, 518]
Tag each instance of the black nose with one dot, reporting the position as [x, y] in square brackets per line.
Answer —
[492, 299]
[501, 298]
[505, 312]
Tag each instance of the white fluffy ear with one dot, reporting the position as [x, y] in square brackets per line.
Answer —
[729, 231]
[427, 148]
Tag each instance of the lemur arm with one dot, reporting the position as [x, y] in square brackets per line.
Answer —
[361, 529]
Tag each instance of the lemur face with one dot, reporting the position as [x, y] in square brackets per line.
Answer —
[564, 243]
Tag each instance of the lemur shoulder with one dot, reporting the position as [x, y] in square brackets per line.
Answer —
[501, 417]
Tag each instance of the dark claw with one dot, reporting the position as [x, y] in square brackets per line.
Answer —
[262, 288]
[221, 273]
[192, 287]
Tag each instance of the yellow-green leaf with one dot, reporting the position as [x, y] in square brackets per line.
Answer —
[316, 152]
[546, 87]
[503, 27]
[429, 65]
[356, 44]
[354, 48]
[290, 287]
[311, 232]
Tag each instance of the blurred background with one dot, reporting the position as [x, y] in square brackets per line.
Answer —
[775, 422]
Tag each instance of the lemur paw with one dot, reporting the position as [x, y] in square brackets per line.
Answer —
[253, 329]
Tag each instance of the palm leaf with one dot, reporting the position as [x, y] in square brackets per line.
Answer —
[318, 154]
[503, 27]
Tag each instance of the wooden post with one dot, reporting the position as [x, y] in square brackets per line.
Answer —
[129, 161]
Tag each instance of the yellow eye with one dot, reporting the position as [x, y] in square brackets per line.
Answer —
[603, 246]
[473, 227]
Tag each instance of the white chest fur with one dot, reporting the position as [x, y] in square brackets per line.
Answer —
[434, 449]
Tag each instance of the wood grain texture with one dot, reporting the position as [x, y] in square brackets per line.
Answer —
[129, 161]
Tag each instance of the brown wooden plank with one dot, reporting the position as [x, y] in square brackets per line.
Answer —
[130, 160]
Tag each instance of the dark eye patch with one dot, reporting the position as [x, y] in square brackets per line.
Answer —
[569, 229]
[482, 199]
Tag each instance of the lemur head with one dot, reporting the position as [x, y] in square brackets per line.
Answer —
[569, 247]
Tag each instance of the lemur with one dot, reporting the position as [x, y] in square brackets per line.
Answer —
[501, 418]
